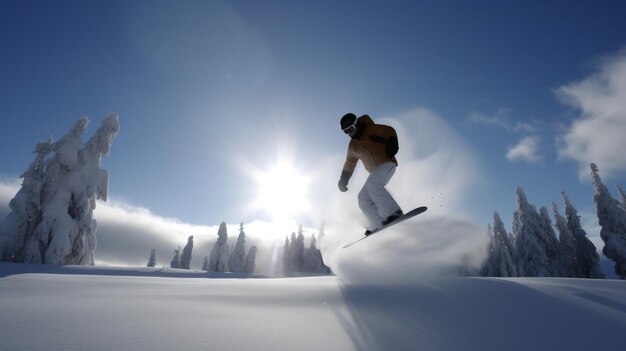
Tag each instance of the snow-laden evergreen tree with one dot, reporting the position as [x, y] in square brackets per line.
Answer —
[218, 259]
[298, 251]
[290, 254]
[500, 260]
[205, 263]
[72, 180]
[552, 243]
[185, 258]
[287, 256]
[490, 267]
[313, 261]
[250, 263]
[18, 226]
[587, 258]
[238, 256]
[506, 243]
[567, 261]
[622, 193]
[51, 218]
[297, 259]
[530, 240]
[94, 185]
[152, 260]
[176, 260]
[52, 238]
[613, 222]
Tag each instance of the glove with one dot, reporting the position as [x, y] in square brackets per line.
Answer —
[343, 181]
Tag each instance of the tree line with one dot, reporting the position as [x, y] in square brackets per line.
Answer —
[221, 259]
[533, 248]
[298, 259]
[224, 258]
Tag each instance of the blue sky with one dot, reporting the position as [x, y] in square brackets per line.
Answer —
[204, 89]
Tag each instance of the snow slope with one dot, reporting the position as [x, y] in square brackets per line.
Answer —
[89, 308]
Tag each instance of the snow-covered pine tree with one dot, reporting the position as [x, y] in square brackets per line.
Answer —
[313, 261]
[238, 256]
[51, 219]
[298, 251]
[250, 263]
[501, 251]
[218, 259]
[152, 260]
[551, 241]
[18, 226]
[205, 263]
[587, 258]
[91, 184]
[291, 257]
[71, 183]
[309, 263]
[530, 238]
[489, 268]
[505, 241]
[613, 222]
[53, 238]
[176, 260]
[185, 258]
[567, 265]
[622, 193]
[287, 257]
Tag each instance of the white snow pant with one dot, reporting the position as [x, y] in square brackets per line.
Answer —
[374, 200]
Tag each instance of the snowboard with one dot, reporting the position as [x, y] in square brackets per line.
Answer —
[400, 219]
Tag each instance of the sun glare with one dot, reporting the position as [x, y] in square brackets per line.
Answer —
[282, 192]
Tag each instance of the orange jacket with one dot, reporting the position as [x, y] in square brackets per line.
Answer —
[374, 144]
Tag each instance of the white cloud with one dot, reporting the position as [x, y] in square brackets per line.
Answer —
[526, 150]
[597, 134]
[126, 234]
[8, 189]
[591, 224]
[501, 119]
[528, 147]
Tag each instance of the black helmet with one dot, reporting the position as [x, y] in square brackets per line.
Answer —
[348, 123]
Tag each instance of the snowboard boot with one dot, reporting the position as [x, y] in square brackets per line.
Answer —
[393, 217]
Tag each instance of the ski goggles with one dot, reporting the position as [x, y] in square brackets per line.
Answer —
[351, 129]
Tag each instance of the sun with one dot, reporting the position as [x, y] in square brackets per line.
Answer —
[282, 191]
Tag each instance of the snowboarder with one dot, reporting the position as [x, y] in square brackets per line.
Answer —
[376, 146]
